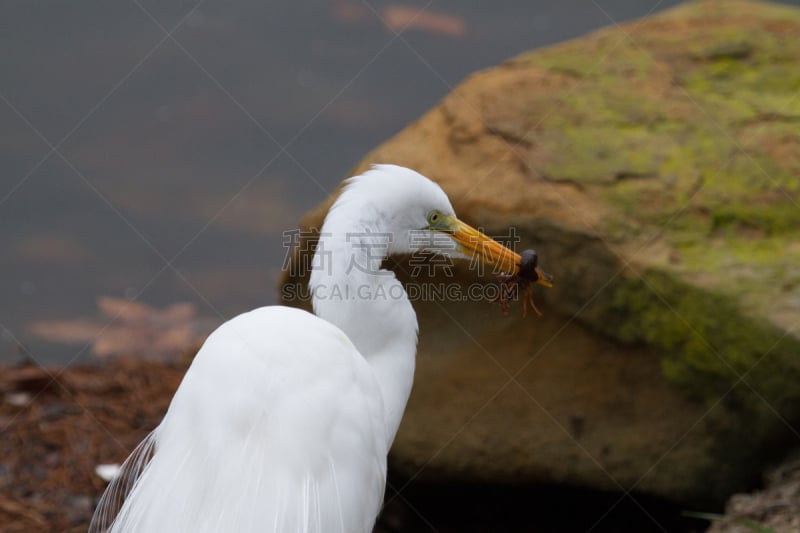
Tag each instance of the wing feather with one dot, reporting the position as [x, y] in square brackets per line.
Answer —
[121, 486]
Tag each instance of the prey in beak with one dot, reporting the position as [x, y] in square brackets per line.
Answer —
[516, 271]
[522, 283]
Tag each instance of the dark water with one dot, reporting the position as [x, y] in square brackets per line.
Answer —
[165, 167]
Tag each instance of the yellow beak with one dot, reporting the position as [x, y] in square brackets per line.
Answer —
[489, 251]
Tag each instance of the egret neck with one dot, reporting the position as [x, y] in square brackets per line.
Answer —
[350, 290]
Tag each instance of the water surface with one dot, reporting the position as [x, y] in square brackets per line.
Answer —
[157, 150]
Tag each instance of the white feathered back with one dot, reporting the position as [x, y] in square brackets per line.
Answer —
[261, 450]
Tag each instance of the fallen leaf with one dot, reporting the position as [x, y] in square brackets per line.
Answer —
[399, 17]
[131, 328]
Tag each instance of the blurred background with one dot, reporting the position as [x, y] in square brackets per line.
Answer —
[154, 156]
[143, 134]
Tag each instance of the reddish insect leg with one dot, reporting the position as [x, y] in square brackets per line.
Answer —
[527, 298]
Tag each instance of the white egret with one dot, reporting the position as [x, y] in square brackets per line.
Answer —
[284, 420]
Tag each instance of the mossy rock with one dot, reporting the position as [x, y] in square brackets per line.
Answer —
[655, 166]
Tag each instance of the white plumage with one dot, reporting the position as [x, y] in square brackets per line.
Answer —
[284, 420]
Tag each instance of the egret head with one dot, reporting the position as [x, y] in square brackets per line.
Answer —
[417, 214]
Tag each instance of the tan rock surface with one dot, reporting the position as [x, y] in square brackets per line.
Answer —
[654, 166]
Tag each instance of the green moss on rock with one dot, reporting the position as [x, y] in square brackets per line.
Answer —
[707, 341]
[656, 169]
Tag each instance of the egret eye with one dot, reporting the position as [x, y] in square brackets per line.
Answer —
[433, 217]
